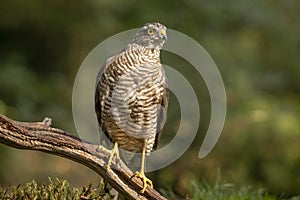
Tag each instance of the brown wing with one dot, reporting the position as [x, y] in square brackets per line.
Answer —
[162, 116]
[97, 98]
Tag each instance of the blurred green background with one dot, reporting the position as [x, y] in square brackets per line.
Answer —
[255, 44]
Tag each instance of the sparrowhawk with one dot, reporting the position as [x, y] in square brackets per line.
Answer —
[131, 95]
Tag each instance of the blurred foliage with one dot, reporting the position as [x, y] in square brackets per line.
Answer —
[61, 189]
[255, 44]
[228, 191]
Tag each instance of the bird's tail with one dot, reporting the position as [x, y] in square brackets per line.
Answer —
[132, 160]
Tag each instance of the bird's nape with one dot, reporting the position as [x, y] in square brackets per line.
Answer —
[151, 35]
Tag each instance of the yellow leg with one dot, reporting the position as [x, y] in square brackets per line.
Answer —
[141, 173]
[112, 153]
[104, 149]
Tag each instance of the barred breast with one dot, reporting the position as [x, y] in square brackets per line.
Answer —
[129, 96]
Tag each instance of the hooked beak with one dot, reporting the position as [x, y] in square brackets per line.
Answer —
[163, 34]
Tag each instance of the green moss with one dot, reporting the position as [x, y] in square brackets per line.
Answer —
[58, 189]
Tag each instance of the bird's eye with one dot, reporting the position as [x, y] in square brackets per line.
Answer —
[150, 31]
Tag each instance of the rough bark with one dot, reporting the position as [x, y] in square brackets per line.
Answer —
[40, 136]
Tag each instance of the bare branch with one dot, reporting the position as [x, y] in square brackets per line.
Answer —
[40, 136]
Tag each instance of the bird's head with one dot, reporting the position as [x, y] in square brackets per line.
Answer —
[151, 35]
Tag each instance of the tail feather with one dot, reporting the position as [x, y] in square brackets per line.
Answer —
[132, 160]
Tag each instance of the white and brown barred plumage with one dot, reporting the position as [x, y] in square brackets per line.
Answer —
[131, 96]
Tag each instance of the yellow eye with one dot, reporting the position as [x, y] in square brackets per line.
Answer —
[150, 31]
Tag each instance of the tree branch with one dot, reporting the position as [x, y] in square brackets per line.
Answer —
[39, 136]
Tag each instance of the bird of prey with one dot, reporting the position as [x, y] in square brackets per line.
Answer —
[131, 96]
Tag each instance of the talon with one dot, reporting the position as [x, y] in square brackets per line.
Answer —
[146, 181]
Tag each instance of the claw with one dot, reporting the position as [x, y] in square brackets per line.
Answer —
[146, 181]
